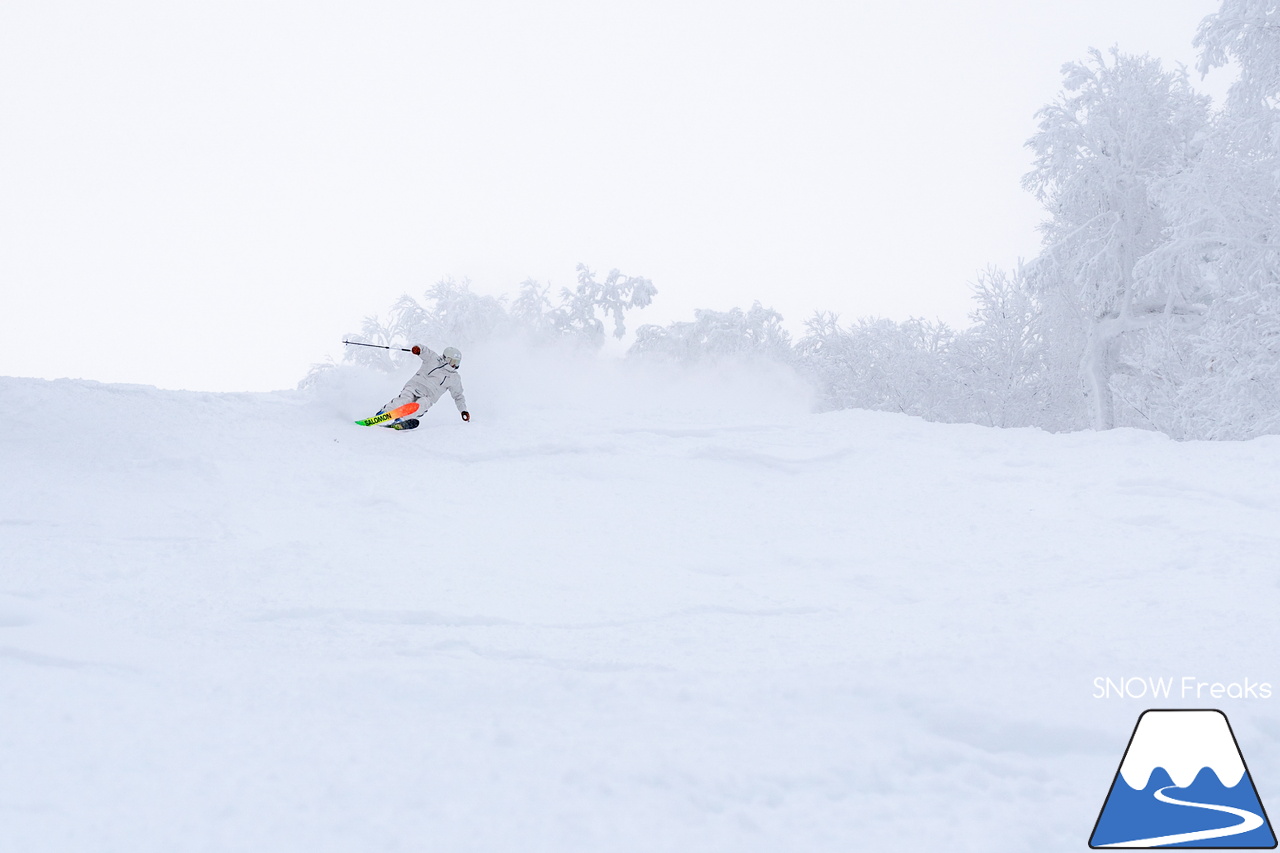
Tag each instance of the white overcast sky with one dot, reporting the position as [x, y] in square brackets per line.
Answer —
[208, 195]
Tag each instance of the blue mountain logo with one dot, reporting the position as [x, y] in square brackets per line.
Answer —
[1183, 783]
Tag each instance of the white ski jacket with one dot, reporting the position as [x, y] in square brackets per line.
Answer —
[433, 379]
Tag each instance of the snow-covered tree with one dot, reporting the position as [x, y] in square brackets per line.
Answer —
[577, 318]
[1229, 228]
[1002, 363]
[880, 364]
[755, 333]
[827, 354]
[452, 313]
[1245, 33]
[1214, 375]
[1103, 149]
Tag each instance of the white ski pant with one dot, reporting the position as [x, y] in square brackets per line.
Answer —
[411, 395]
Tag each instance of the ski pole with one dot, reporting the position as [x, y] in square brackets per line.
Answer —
[377, 346]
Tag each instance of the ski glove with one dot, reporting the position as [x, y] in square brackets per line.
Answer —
[417, 350]
[466, 416]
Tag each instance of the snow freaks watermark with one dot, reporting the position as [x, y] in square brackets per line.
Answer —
[1183, 782]
[1186, 687]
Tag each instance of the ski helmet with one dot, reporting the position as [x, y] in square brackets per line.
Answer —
[451, 356]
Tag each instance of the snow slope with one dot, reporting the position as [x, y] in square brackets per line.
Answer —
[621, 613]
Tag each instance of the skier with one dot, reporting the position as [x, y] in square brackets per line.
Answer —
[437, 374]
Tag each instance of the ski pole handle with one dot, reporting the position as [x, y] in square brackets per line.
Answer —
[376, 346]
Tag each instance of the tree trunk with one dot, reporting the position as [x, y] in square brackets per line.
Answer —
[1098, 366]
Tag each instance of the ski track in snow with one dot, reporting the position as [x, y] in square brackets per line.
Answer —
[637, 620]
[1248, 822]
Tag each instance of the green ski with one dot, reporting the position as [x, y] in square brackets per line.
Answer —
[398, 412]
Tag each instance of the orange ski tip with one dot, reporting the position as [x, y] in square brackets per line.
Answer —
[402, 411]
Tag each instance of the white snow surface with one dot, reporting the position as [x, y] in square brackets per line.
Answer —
[1183, 743]
[624, 611]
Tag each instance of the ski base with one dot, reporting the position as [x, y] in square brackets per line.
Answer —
[411, 423]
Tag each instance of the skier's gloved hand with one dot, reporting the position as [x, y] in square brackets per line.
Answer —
[466, 416]
[417, 350]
